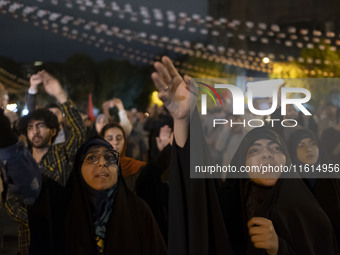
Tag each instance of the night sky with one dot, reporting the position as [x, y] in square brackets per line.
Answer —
[25, 42]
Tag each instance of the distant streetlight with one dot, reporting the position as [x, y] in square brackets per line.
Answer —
[266, 60]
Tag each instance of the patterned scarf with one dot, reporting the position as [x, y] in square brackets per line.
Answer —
[102, 202]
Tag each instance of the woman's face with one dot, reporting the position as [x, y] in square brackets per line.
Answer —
[99, 168]
[116, 138]
[307, 151]
[265, 152]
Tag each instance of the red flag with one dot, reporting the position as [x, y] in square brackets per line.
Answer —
[91, 114]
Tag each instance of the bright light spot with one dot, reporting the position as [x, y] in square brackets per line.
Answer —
[266, 60]
[38, 63]
[155, 99]
[24, 111]
[11, 107]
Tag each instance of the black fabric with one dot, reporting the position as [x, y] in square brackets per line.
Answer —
[7, 136]
[330, 139]
[131, 228]
[154, 191]
[47, 219]
[195, 220]
[31, 101]
[239, 158]
[326, 191]
[63, 219]
[300, 223]
[297, 137]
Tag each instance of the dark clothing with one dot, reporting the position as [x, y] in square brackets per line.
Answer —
[299, 222]
[31, 101]
[5, 128]
[131, 228]
[91, 131]
[63, 221]
[308, 123]
[151, 187]
[195, 219]
[330, 139]
[326, 191]
[200, 222]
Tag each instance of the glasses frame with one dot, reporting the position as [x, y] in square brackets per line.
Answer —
[115, 153]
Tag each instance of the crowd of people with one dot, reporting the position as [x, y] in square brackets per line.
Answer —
[121, 184]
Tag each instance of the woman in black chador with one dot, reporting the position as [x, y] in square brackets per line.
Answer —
[305, 149]
[273, 212]
[102, 215]
[95, 214]
[256, 214]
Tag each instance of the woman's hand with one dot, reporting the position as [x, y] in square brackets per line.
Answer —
[175, 93]
[263, 235]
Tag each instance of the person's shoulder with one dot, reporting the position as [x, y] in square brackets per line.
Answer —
[295, 198]
[137, 203]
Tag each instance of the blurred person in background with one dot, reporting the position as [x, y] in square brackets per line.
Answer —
[328, 118]
[55, 161]
[159, 117]
[330, 139]
[305, 149]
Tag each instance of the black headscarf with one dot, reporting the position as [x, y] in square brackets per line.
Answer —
[294, 140]
[255, 134]
[101, 200]
[326, 191]
[297, 218]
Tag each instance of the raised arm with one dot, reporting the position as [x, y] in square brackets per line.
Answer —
[124, 120]
[77, 135]
[31, 97]
[175, 93]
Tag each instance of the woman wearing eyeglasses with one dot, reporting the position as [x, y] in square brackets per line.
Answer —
[95, 214]
[115, 135]
[146, 179]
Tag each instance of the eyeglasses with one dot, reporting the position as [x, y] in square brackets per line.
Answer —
[111, 158]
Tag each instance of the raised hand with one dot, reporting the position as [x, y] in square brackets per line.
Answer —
[107, 105]
[164, 138]
[35, 80]
[263, 235]
[174, 91]
[52, 86]
[118, 103]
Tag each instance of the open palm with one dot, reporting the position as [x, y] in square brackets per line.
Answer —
[173, 89]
